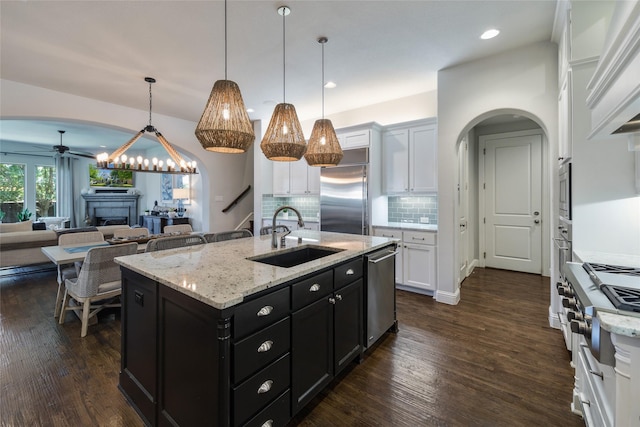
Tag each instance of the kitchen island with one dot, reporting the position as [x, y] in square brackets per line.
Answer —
[211, 335]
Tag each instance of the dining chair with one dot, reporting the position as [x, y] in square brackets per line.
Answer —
[73, 270]
[174, 242]
[97, 285]
[269, 229]
[230, 235]
[179, 228]
[131, 232]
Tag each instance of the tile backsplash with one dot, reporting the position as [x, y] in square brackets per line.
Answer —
[309, 206]
[411, 209]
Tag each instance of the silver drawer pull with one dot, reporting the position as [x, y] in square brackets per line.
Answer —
[350, 272]
[314, 288]
[597, 374]
[387, 235]
[268, 423]
[265, 387]
[415, 238]
[338, 297]
[265, 346]
[265, 311]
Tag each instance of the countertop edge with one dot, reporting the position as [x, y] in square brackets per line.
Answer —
[621, 325]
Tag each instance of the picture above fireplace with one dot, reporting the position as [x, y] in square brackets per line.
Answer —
[100, 178]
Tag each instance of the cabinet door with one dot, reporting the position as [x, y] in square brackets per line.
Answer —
[355, 139]
[423, 160]
[348, 327]
[395, 161]
[311, 351]
[281, 179]
[419, 266]
[139, 343]
[313, 180]
[298, 177]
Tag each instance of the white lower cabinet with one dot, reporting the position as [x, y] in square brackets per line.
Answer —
[416, 259]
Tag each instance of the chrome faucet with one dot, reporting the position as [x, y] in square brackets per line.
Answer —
[274, 235]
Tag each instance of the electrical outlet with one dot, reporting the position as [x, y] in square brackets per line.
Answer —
[424, 220]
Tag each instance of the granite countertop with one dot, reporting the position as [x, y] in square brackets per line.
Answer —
[621, 325]
[219, 274]
[407, 226]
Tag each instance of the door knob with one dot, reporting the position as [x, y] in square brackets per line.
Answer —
[536, 213]
[537, 221]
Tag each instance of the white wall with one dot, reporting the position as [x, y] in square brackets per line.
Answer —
[522, 80]
[221, 177]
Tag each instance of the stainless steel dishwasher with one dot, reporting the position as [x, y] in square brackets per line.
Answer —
[381, 294]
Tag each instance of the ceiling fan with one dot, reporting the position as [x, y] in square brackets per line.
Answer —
[58, 150]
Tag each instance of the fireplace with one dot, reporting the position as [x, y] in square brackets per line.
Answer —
[111, 208]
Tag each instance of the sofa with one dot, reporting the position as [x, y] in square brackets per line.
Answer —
[20, 244]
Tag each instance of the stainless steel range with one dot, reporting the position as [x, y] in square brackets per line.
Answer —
[591, 288]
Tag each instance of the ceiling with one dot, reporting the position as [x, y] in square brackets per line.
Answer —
[377, 51]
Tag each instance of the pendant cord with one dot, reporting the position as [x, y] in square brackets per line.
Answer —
[150, 104]
[284, 54]
[225, 39]
[322, 80]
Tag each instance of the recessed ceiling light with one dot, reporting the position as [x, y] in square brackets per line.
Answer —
[103, 146]
[250, 110]
[489, 34]
[330, 85]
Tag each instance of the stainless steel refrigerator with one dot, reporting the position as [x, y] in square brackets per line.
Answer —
[343, 194]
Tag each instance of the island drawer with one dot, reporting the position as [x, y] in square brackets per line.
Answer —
[276, 414]
[257, 350]
[260, 389]
[256, 314]
[347, 273]
[312, 289]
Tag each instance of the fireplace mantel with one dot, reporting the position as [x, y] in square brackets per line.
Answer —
[111, 206]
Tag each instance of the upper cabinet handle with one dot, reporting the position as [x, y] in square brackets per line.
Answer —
[349, 272]
[265, 311]
[314, 288]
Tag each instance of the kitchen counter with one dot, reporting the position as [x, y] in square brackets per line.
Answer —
[220, 275]
[407, 226]
[622, 325]
[608, 258]
[310, 219]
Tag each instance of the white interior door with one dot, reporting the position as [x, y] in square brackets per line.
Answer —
[462, 201]
[513, 201]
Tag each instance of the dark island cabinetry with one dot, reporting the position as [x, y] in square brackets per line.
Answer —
[253, 364]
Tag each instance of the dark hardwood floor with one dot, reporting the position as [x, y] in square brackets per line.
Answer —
[492, 360]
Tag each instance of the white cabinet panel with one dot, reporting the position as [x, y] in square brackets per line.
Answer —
[419, 266]
[410, 159]
[295, 178]
[395, 161]
[355, 139]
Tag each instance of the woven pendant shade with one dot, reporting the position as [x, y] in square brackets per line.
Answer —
[225, 126]
[284, 140]
[324, 148]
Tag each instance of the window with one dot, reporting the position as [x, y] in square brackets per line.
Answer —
[45, 191]
[11, 191]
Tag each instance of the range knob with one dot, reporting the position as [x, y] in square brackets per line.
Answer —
[570, 303]
[581, 327]
[575, 315]
[565, 290]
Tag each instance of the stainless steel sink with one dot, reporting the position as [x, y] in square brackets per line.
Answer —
[292, 257]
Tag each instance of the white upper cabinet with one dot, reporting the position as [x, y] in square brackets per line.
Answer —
[355, 139]
[295, 179]
[409, 158]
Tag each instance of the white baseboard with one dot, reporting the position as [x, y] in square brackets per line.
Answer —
[554, 322]
[448, 297]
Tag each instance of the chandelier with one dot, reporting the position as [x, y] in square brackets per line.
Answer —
[118, 160]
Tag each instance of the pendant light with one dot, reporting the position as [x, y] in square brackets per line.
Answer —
[324, 148]
[225, 126]
[284, 140]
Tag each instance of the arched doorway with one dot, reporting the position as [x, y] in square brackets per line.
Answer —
[471, 204]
